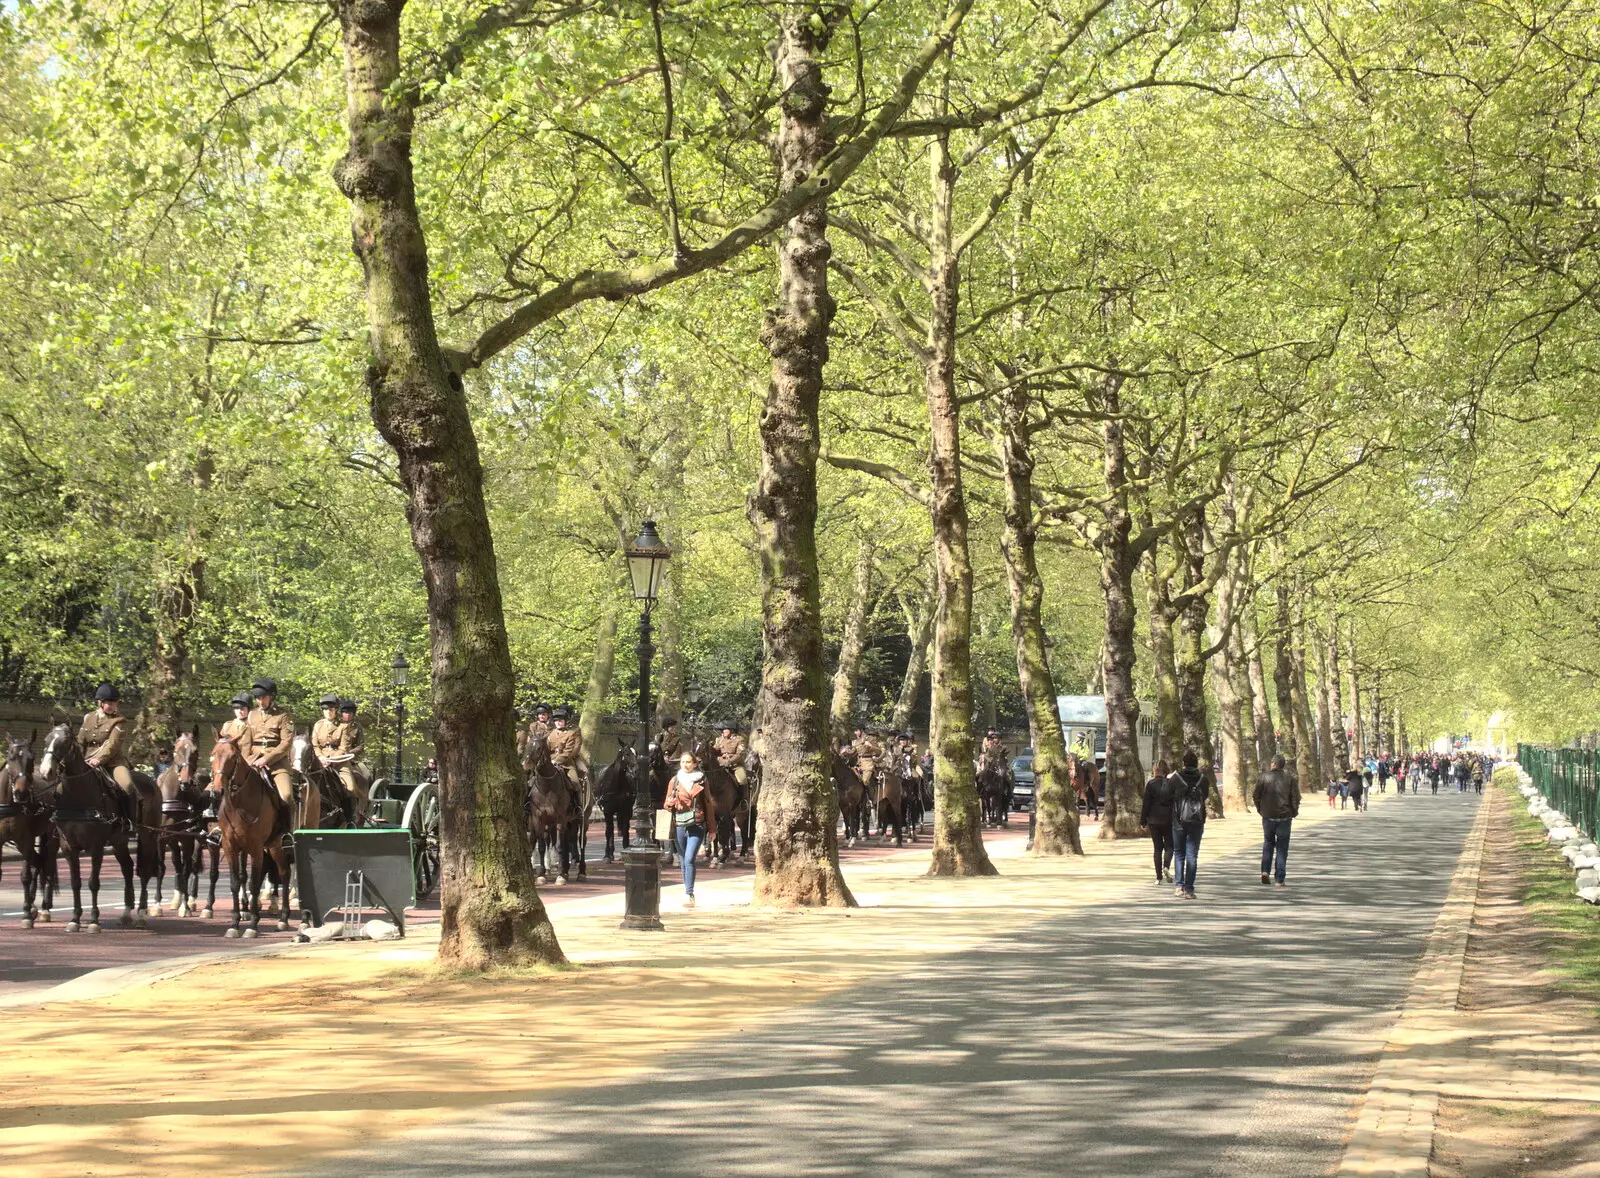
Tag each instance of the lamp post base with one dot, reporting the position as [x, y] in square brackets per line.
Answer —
[641, 881]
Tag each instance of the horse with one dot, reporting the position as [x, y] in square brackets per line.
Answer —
[752, 771]
[582, 810]
[1085, 777]
[90, 813]
[549, 808]
[614, 790]
[728, 803]
[26, 823]
[992, 790]
[337, 808]
[253, 821]
[853, 800]
[182, 822]
[891, 801]
[912, 810]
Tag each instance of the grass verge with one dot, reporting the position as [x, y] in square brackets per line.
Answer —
[1549, 898]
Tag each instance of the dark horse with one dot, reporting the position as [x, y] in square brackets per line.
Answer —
[890, 790]
[183, 826]
[90, 814]
[25, 822]
[614, 790]
[912, 807]
[854, 804]
[253, 821]
[992, 791]
[550, 809]
[1085, 775]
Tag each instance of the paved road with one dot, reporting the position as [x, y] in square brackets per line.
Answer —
[1146, 1036]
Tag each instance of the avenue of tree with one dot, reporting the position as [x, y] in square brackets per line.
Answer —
[1233, 361]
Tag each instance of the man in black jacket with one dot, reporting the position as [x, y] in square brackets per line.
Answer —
[1277, 799]
[1157, 817]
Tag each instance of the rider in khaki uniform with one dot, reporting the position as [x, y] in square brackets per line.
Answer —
[236, 728]
[730, 749]
[867, 752]
[669, 742]
[993, 746]
[270, 731]
[353, 744]
[337, 747]
[102, 737]
[566, 747]
[538, 725]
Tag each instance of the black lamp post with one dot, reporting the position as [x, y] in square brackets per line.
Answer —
[647, 561]
[399, 673]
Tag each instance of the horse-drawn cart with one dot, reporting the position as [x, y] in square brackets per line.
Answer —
[413, 807]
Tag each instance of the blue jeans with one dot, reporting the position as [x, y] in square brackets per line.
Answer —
[689, 839]
[1186, 851]
[1275, 837]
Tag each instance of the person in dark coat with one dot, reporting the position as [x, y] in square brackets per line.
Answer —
[1156, 816]
[1191, 787]
[1277, 800]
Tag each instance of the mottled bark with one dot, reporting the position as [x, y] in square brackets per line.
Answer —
[1164, 665]
[599, 686]
[1341, 738]
[853, 640]
[1124, 777]
[491, 914]
[797, 850]
[1237, 668]
[957, 820]
[1261, 711]
[668, 636]
[1292, 693]
[919, 632]
[1283, 679]
[1191, 645]
[1234, 781]
[1305, 720]
[1326, 753]
[1055, 804]
[178, 597]
[1358, 723]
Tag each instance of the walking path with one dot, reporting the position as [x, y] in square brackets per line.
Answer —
[1066, 1015]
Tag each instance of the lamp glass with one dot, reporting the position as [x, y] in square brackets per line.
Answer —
[647, 561]
[399, 670]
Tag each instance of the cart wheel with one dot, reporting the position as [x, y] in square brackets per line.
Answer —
[422, 820]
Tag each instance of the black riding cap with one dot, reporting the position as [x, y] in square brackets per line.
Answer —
[328, 701]
[347, 705]
[241, 699]
[264, 686]
[669, 722]
[541, 709]
[561, 714]
[105, 692]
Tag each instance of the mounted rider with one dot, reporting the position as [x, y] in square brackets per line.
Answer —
[338, 742]
[730, 748]
[669, 742]
[270, 734]
[995, 749]
[102, 737]
[867, 752]
[566, 748]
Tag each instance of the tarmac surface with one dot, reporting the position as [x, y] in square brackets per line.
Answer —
[1135, 1035]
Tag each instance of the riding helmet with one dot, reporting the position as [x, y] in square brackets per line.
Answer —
[328, 701]
[670, 722]
[264, 686]
[542, 710]
[106, 692]
[561, 714]
[347, 705]
[240, 699]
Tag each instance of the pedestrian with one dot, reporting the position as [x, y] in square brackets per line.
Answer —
[1191, 787]
[1369, 771]
[1156, 816]
[1277, 800]
[1335, 789]
[1352, 785]
[689, 803]
[1383, 774]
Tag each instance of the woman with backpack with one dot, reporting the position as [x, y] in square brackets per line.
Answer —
[1191, 785]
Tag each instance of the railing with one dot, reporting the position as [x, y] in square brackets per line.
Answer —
[1569, 779]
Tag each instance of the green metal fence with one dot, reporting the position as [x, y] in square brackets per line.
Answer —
[1569, 779]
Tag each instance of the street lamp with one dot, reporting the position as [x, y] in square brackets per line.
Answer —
[399, 674]
[647, 561]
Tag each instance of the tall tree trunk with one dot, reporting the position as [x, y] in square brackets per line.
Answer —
[599, 687]
[957, 821]
[1325, 753]
[668, 616]
[1341, 738]
[1163, 657]
[797, 847]
[1305, 736]
[1283, 680]
[1377, 713]
[1261, 714]
[491, 913]
[1238, 670]
[1055, 803]
[1358, 723]
[178, 597]
[1124, 784]
[1192, 616]
[1232, 705]
[919, 631]
[854, 640]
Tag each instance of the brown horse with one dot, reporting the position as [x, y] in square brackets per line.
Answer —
[992, 788]
[550, 809]
[854, 804]
[891, 800]
[1085, 776]
[182, 821]
[253, 821]
[25, 822]
[90, 814]
[729, 804]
